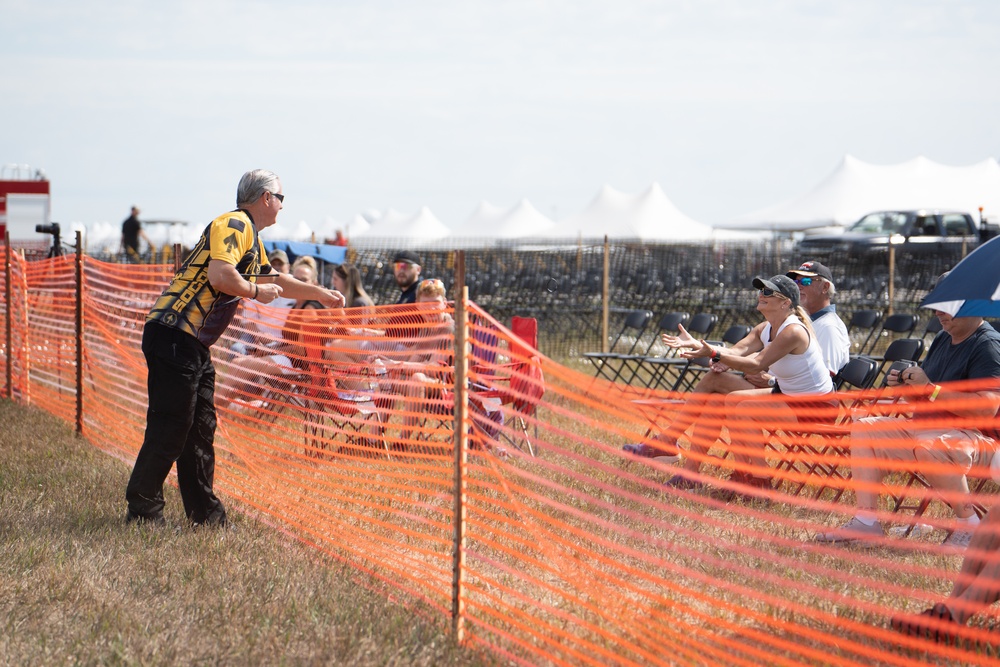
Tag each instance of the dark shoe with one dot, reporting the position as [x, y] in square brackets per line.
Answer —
[744, 479]
[650, 452]
[226, 526]
[936, 624]
[682, 483]
[141, 520]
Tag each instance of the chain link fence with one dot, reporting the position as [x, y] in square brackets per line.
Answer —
[561, 285]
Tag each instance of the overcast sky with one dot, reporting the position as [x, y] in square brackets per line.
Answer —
[730, 105]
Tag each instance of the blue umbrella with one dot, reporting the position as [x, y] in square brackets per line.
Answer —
[972, 288]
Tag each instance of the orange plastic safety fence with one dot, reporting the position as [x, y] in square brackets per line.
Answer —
[13, 298]
[338, 425]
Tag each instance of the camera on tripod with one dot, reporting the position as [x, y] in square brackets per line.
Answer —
[56, 250]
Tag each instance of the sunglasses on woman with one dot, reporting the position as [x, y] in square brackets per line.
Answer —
[768, 292]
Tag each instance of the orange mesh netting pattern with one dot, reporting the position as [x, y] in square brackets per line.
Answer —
[338, 426]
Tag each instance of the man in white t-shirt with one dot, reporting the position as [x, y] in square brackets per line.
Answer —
[816, 289]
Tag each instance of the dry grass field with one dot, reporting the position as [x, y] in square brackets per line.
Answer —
[78, 586]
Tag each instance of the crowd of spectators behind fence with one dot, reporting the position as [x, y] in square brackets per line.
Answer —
[561, 285]
[793, 352]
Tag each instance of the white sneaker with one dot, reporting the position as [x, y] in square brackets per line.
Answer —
[854, 530]
[959, 539]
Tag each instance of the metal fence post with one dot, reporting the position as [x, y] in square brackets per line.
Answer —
[892, 276]
[461, 438]
[605, 295]
[79, 332]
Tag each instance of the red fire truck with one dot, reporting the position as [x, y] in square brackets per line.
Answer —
[24, 202]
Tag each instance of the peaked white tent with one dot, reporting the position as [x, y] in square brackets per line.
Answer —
[421, 226]
[293, 231]
[522, 220]
[358, 225]
[490, 224]
[855, 188]
[328, 228]
[481, 221]
[648, 216]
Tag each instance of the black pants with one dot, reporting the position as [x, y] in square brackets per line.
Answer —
[180, 426]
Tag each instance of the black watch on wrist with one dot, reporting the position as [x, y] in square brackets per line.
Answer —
[716, 357]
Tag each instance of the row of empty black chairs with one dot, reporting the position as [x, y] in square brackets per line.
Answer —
[666, 369]
[636, 358]
[691, 372]
[630, 349]
[608, 364]
[869, 331]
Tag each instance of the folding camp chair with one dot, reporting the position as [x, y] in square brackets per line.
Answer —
[633, 328]
[518, 385]
[352, 415]
[526, 330]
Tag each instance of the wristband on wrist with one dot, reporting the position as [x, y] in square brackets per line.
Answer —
[934, 394]
[255, 291]
[716, 356]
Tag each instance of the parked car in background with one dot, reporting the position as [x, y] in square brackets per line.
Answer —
[916, 233]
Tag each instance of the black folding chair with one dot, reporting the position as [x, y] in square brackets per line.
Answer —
[901, 349]
[894, 327]
[862, 321]
[932, 329]
[829, 459]
[858, 372]
[634, 326]
[661, 368]
[692, 371]
[668, 324]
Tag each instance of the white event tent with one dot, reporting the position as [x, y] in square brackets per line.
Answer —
[423, 226]
[647, 216]
[489, 224]
[358, 225]
[855, 188]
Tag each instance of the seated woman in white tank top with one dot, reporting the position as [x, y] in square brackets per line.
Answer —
[784, 344]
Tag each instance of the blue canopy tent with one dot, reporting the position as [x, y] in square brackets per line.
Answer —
[322, 253]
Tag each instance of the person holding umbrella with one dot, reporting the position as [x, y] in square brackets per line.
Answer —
[967, 348]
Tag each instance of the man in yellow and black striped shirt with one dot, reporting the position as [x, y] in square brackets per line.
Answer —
[185, 321]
